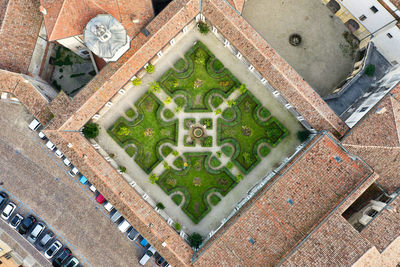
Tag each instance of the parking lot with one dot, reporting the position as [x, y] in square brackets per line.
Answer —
[35, 178]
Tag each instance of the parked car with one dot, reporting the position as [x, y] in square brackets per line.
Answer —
[165, 264]
[67, 162]
[50, 145]
[108, 207]
[26, 224]
[159, 260]
[71, 262]
[3, 199]
[34, 125]
[83, 180]
[53, 249]
[123, 226]
[74, 171]
[100, 199]
[92, 188]
[62, 257]
[59, 154]
[45, 239]
[143, 241]
[41, 135]
[115, 217]
[37, 230]
[133, 234]
[15, 221]
[147, 255]
[8, 210]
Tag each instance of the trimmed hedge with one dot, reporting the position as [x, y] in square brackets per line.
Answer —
[214, 199]
[217, 65]
[207, 122]
[227, 150]
[185, 143]
[214, 162]
[206, 141]
[177, 199]
[228, 114]
[216, 101]
[166, 150]
[168, 114]
[130, 113]
[187, 122]
[130, 151]
[179, 162]
[264, 151]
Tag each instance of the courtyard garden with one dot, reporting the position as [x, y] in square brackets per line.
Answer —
[197, 132]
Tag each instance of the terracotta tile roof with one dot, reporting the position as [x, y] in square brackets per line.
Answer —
[3, 8]
[385, 228]
[273, 67]
[66, 18]
[376, 138]
[121, 195]
[18, 33]
[15, 84]
[335, 243]
[287, 209]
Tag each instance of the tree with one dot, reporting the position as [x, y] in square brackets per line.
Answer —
[153, 178]
[302, 135]
[242, 88]
[218, 111]
[231, 103]
[168, 100]
[123, 131]
[154, 87]
[370, 70]
[239, 177]
[91, 130]
[203, 27]
[195, 240]
[178, 110]
[150, 68]
[137, 82]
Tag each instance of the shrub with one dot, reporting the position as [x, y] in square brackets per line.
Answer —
[302, 135]
[112, 155]
[216, 101]
[218, 111]
[195, 240]
[228, 114]
[264, 113]
[219, 154]
[215, 162]
[154, 87]
[203, 27]
[168, 114]
[136, 82]
[91, 130]
[231, 103]
[264, 151]
[239, 177]
[130, 113]
[180, 101]
[214, 199]
[175, 153]
[187, 122]
[217, 65]
[180, 64]
[150, 68]
[200, 56]
[166, 150]
[172, 83]
[168, 100]
[178, 110]
[179, 163]
[123, 131]
[177, 199]
[122, 168]
[207, 122]
[131, 151]
[160, 206]
[153, 178]
[229, 165]
[242, 88]
[177, 226]
[207, 141]
[370, 70]
[227, 150]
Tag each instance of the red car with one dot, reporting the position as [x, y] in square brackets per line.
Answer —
[100, 199]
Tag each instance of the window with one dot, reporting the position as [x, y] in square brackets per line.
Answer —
[362, 17]
[338, 159]
[363, 109]
[290, 201]
[252, 241]
[374, 9]
[372, 213]
[389, 35]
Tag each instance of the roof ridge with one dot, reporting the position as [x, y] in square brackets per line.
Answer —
[396, 116]
[58, 16]
[384, 147]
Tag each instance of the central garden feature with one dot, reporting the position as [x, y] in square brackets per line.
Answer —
[197, 132]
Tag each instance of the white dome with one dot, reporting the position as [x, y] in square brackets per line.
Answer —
[104, 36]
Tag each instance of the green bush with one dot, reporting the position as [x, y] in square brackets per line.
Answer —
[179, 163]
[203, 27]
[207, 122]
[131, 151]
[200, 56]
[177, 226]
[153, 178]
[242, 88]
[216, 101]
[370, 70]
[229, 165]
[154, 87]
[166, 150]
[217, 65]
[264, 113]
[168, 114]
[218, 111]
[195, 240]
[227, 150]
[150, 68]
[175, 153]
[180, 65]
[160, 206]
[219, 154]
[178, 110]
[177, 199]
[302, 135]
[207, 141]
[130, 113]
[214, 199]
[91, 130]
[264, 151]
[239, 177]
[137, 82]
[187, 122]
[122, 168]
[215, 162]
[180, 101]
[228, 114]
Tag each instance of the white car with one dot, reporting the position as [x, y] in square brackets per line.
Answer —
[149, 253]
[92, 188]
[8, 210]
[34, 125]
[59, 154]
[123, 226]
[108, 207]
[74, 171]
[50, 145]
[67, 162]
[41, 135]
[53, 249]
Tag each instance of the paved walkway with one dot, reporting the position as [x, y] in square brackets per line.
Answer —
[227, 204]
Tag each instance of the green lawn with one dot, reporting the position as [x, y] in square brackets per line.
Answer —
[196, 182]
[147, 132]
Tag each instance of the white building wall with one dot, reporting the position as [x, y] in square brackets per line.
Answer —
[76, 45]
[373, 21]
[387, 41]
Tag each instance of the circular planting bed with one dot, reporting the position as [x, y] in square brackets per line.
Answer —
[295, 39]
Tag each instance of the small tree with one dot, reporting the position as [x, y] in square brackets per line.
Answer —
[203, 27]
[242, 88]
[160, 206]
[122, 168]
[370, 70]
[153, 178]
[123, 131]
[218, 111]
[302, 135]
[178, 110]
[177, 226]
[137, 82]
[231, 103]
[166, 165]
[239, 177]
[175, 153]
[168, 100]
[195, 240]
[150, 68]
[91, 130]
[154, 87]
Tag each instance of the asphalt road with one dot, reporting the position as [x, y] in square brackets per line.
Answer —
[38, 180]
